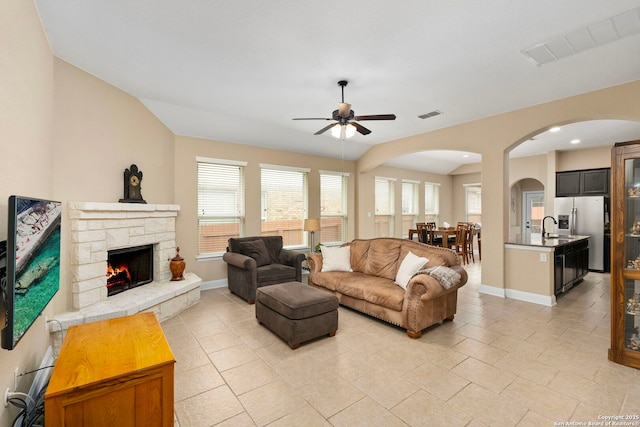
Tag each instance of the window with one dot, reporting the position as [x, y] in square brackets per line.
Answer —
[474, 202]
[384, 215]
[284, 203]
[409, 205]
[220, 204]
[333, 207]
[431, 202]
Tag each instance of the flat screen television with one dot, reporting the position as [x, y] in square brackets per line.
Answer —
[32, 259]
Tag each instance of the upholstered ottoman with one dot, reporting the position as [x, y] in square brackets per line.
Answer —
[297, 312]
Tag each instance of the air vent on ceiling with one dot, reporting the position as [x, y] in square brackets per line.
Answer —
[584, 38]
[431, 114]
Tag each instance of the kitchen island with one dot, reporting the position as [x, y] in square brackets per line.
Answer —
[537, 269]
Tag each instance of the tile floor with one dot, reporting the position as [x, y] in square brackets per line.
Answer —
[501, 362]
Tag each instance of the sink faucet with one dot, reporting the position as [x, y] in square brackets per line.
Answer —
[544, 233]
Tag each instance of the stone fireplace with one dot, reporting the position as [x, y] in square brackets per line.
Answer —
[128, 268]
[97, 228]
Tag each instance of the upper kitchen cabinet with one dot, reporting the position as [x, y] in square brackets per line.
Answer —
[589, 182]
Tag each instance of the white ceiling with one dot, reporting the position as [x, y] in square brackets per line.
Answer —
[239, 71]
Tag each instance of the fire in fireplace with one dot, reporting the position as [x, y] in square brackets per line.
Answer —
[128, 268]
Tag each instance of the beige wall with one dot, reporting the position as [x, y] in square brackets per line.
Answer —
[98, 132]
[492, 137]
[66, 135]
[186, 151]
[592, 158]
[26, 116]
[532, 275]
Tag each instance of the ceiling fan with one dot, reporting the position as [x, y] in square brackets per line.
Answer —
[346, 121]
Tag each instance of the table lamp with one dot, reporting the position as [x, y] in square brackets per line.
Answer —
[312, 225]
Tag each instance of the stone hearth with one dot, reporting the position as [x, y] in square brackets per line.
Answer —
[99, 227]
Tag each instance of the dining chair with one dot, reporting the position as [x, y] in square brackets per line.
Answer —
[435, 239]
[471, 231]
[418, 228]
[425, 233]
[460, 243]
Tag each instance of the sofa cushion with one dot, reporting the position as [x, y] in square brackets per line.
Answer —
[336, 258]
[410, 265]
[257, 250]
[436, 255]
[376, 290]
[274, 273]
[377, 257]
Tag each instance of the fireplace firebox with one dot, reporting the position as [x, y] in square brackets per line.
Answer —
[128, 268]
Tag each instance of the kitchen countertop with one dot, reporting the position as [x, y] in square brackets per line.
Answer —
[549, 242]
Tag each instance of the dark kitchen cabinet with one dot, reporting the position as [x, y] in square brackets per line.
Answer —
[589, 182]
[567, 184]
[594, 182]
[625, 258]
[571, 264]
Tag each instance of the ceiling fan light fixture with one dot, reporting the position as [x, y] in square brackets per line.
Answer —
[343, 131]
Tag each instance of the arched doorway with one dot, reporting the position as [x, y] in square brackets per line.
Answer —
[526, 206]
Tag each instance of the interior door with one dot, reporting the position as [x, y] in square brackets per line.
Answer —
[532, 211]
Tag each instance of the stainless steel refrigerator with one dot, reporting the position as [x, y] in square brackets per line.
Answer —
[585, 216]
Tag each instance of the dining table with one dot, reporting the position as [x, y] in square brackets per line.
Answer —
[437, 232]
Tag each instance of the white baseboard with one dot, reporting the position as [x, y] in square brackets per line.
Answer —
[545, 300]
[214, 284]
[491, 290]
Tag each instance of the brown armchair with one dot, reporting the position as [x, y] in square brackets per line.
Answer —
[253, 262]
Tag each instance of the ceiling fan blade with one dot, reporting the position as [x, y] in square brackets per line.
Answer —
[344, 109]
[376, 117]
[312, 118]
[363, 130]
[324, 129]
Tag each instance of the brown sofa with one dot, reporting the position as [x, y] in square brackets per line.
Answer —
[371, 289]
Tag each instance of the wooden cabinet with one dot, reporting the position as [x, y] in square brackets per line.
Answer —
[116, 372]
[625, 261]
[589, 182]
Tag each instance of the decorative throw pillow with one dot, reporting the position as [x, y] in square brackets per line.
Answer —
[257, 250]
[336, 258]
[411, 264]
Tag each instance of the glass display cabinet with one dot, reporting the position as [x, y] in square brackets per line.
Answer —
[625, 262]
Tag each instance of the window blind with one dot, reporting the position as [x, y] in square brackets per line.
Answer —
[220, 205]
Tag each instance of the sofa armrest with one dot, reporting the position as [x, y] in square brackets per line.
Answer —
[291, 258]
[423, 286]
[239, 260]
[314, 262]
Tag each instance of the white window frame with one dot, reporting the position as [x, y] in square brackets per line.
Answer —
[410, 199]
[289, 239]
[210, 185]
[384, 208]
[432, 202]
[341, 213]
[473, 201]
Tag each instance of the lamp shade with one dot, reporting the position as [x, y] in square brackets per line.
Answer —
[343, 131]
[312, 224]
